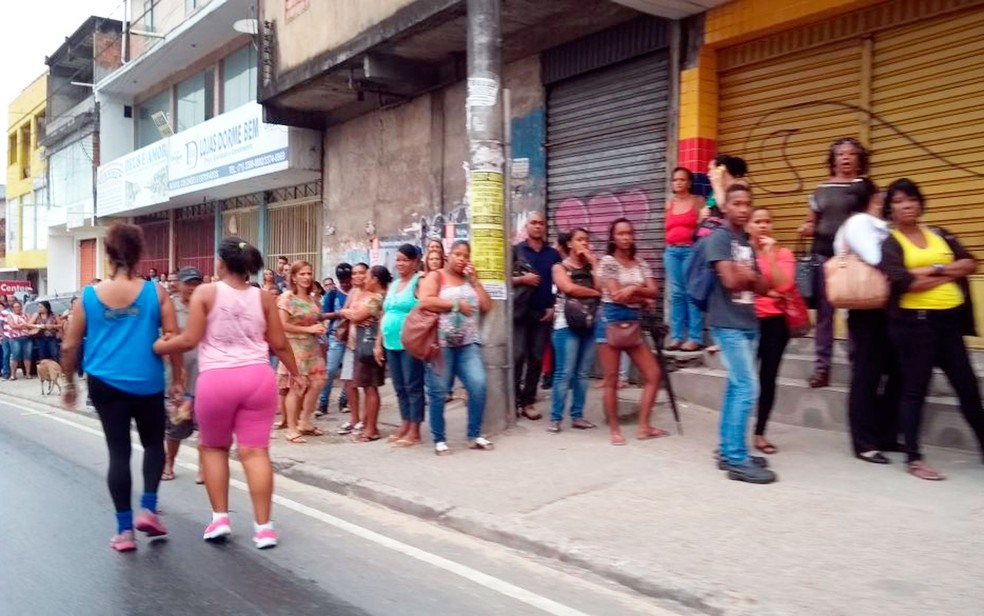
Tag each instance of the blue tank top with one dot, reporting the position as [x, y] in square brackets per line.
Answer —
[119, 342]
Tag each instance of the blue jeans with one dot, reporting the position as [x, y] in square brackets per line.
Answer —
[333, 364]
[574, 354]
[739, 350]
[685, 318]
[467, 364]
[407, 374]
[48, 348]
[20, 349]
[5, 369]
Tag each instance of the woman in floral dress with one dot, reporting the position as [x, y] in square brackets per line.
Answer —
[301, 318]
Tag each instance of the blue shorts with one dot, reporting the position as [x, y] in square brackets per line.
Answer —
[20, 349]
[612, 313]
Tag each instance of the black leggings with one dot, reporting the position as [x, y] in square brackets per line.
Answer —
[774, 338]
[117, 409]
[922, 340]
[873, 411]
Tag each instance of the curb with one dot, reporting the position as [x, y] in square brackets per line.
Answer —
[521, 535]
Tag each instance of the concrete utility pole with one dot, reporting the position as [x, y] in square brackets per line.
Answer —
[486, 200]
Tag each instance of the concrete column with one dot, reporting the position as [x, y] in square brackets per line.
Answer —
[261, 235]
[218, 225]
[487, 215]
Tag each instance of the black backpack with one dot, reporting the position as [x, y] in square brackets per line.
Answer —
[581, 313]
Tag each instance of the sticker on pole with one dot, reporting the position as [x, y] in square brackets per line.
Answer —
[486, 202]
[482, 92]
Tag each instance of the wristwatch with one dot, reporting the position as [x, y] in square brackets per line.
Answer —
[938, 269]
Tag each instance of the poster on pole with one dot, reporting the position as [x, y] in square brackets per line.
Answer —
[486, 202]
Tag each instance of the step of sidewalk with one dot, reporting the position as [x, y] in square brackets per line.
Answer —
[799, 367]
[799, 405]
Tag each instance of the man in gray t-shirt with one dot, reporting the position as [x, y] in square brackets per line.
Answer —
[731, 309]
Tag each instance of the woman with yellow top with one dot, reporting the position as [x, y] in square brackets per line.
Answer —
[929, 314]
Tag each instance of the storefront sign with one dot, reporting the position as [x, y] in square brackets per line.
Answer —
[133, 181]
[488, 239]
[15, 287]
[233, 146]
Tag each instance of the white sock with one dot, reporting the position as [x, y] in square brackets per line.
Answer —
[216, 515]
[267, 526]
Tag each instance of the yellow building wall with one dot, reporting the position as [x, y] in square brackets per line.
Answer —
[25, 110]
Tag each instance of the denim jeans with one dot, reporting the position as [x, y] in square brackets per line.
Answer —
[48, 348]
[739, 351]
[467, 364]
[574, 354]
[407, 374]
[685, 317]
[824, 333]
[333, 366]
[5, 369]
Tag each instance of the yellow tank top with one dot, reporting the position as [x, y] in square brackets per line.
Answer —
[944, 297]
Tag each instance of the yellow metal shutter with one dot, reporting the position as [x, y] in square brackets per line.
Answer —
[781, 116]
[928, 96]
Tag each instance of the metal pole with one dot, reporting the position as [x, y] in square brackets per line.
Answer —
[486, 197]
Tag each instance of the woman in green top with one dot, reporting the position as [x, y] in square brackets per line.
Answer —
[406, 371]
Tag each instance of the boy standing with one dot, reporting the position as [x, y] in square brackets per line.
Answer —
[735, 328]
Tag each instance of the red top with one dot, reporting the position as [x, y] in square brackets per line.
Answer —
[769, 306]
[680, 227]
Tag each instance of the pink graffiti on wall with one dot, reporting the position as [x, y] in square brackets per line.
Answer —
[597, 213]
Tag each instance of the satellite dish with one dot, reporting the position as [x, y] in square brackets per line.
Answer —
[247, 26]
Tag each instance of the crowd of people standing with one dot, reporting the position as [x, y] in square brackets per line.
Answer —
[239, 352]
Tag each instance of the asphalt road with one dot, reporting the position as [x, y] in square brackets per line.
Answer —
[337, 556]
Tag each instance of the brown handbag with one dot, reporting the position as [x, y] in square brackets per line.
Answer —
[853, 284]
[419, 335]
[342, 330]
[623, 334]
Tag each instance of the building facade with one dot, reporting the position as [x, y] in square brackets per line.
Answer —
[26, 221]
[75, 252]
[591, 98]
[184, 151]
[778, 86]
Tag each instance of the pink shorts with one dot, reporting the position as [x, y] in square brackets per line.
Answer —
[240, 402]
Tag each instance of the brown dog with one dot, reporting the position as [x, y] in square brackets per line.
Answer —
[49, 371]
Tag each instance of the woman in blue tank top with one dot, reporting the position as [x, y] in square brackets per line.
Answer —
[120, 319]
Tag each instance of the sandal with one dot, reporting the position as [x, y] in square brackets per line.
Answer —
[768, 449]
[167, 476]
[820, 379]
[920, 469]
[618, 440]
[312, 432]
[582, 424]
[297, 439]
[442, 449]
[481, 443]
[651, 433]
[690, 347]
[404, 443]
[673, 346]
[365, 438]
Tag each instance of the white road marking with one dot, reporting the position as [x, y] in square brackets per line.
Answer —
[483, 579]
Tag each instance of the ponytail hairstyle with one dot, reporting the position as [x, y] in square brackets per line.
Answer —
[124, 246]
[381, 274]
[240, 257]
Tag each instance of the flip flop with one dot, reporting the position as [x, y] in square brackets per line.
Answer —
[651, 434]
[297, 439]
[768, 449]
[404, 443]
[312, 432]
[362, 438]
[618, 440]
[167, 476]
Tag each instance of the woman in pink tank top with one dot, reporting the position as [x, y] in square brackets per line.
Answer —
[234, 326]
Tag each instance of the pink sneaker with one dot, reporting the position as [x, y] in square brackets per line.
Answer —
[123, 542]
[266, 538]
[148, 522]
[218, 530]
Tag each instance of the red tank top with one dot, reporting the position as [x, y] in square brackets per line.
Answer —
[680, 227]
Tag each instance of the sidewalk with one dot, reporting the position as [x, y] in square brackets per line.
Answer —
[834, 536]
